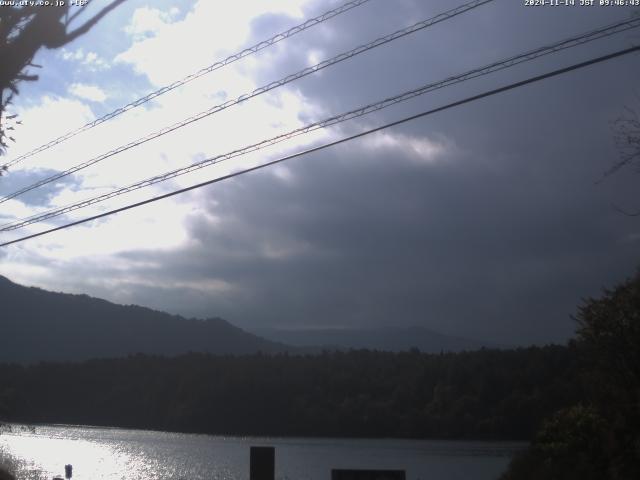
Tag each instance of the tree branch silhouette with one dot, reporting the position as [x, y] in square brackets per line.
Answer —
[23, 31]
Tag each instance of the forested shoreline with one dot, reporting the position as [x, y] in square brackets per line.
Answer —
[579, 404]
[485, 394]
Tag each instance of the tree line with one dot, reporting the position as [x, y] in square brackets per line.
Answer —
[579, 404]
[486, 394]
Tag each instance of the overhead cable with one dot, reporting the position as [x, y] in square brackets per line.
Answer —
[203, 71]
[333, 120]
[259, 91]
[489, 93]
[473, 98]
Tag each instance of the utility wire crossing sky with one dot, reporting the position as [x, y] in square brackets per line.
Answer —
[259, 91]
[483, 222]
[337, 142]
[312, 22]
[571, 42]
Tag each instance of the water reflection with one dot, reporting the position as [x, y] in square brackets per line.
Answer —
[110, 454]
[45, 456]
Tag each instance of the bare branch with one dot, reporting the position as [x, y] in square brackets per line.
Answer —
[626, 135]
[90, 23]
[27, 78]
[78, 12]
[26, 29]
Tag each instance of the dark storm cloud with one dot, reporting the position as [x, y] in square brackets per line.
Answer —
[497, 237]
[474, 39]
[465, 246]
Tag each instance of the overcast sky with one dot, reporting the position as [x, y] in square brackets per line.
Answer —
[483, 221]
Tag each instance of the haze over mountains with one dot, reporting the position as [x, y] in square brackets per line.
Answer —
[38, 325]
[393, 339]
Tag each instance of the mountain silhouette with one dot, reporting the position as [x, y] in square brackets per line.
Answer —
[38, 325]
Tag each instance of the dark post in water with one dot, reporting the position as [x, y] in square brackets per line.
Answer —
[262, 463]
[338, 474]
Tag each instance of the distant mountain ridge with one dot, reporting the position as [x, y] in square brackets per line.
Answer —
[38, 325]
[393, 339]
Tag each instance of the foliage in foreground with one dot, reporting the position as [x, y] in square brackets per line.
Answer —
[598, 438]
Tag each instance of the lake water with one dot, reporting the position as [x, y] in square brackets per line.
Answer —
[109, 453]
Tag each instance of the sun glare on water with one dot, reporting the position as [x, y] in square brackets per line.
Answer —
[36, 457]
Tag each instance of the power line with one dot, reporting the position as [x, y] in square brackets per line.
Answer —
[203, 71]
[259, 91]
[493, 67]
[342, 140]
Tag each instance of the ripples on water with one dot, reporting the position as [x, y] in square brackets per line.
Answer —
[110, 454]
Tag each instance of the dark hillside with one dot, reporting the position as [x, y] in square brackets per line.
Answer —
[40, 325]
